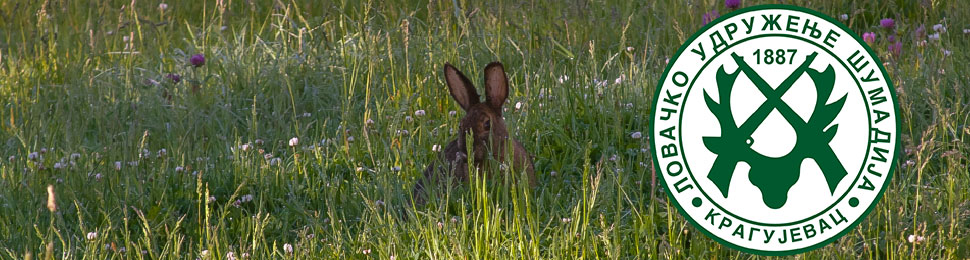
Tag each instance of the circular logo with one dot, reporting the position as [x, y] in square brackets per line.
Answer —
[775, 129]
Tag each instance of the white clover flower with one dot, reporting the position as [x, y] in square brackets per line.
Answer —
[419, 113]
[288, 248]
[294, 142]
[204, 253]
[436, 148]
[92, 235]
[629, 49]
[567, 220]
[563, 78]
[365, 251]
[518, 105]
[636, 135]
[620, 79]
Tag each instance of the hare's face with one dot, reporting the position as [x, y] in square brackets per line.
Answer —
[486, 127]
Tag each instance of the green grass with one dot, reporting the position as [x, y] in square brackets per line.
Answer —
[71, 83]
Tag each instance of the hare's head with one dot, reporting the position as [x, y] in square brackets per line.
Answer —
[483, 119]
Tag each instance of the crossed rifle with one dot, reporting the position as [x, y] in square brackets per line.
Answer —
[775, 176]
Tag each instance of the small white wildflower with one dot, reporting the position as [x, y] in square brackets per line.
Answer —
[288, 248]
[409, 119]
[844, 17]
[620, 79]
[258, 141]
[74, 156]
[518, 105]
[934, 37]
[161, 153]
[125, 38]
[436, 148]
[452, 113]
[163, 6]
[396, 168]
[145, 153]
[122, 249]
[230, 256]
[133, 163]
[117, 165]
[350, 138]
[563, 78]
[244, 255]
[915, 239]
[636, 135]
[59, 165]
[245, 147]
[294, 142]
[97, 176]
[966, 31]
[614, 157]
[306, 114]
[223, 28]
[567, 220]
[629, 49]
[441, 225]
[11, 158]
[939, 28]
[369, 122]
[419, 112]
[92, 235]
[33, 156]
[267, 156]
[947, 53]
[204, 253]
[365, 251]
[246, 198]
[179, 169]
[274, 161]
[553, 173]
[212, 199]
[378, 203]
[454, 219]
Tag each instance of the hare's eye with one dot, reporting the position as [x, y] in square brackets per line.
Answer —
[487, 124]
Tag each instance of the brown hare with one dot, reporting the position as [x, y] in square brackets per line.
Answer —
[484, 121]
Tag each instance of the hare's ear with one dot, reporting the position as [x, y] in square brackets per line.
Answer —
[460, 87]
[496, 85]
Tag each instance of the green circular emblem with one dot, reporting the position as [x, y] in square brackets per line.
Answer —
[775, 129]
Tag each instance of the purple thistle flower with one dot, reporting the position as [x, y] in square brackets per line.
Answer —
[896, 49]
[174, 77]
[733, 4]
[710, 16]
[869, 37]
[892, 38]
[197, 60]
[887, 23]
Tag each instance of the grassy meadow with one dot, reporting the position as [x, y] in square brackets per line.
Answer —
[304, 130]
